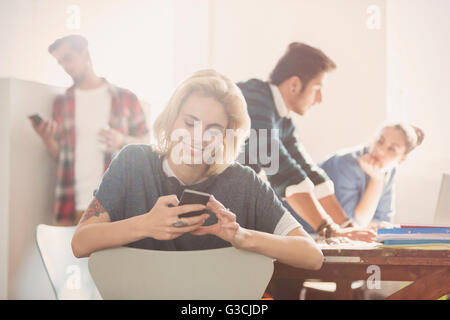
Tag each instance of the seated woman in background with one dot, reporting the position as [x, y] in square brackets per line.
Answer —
[364, 176]
[137, 201]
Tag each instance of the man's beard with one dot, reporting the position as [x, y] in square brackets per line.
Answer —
[79, 78]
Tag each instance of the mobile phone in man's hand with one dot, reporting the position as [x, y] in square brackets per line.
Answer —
[193, 197]
[36, 118]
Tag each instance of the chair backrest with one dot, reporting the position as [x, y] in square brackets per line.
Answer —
[69, 276]
[218, 274]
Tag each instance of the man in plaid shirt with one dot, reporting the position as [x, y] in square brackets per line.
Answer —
[91, 122]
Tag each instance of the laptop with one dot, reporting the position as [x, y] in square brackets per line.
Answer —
[442, 214]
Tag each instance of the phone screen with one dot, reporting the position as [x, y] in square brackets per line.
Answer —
[37, 119]
[193, 197]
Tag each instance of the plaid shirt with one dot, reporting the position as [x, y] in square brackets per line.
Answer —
[126, 116]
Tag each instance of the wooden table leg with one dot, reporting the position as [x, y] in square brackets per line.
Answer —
[285, 289]
[343, 290]
[430, 287]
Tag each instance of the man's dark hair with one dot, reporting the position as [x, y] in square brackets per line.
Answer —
[75, 42]
[302, 61]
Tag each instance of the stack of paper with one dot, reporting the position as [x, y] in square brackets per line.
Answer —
[411, 235]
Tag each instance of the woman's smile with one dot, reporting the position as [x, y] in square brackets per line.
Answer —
[192, 148]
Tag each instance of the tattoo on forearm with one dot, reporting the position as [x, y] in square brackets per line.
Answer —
[95, 209]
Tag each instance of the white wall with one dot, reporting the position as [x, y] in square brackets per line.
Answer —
[191, 37]
[131, 42]
[4, 187]
[32, 173]
[28, 184]
[418, 64]
[250, 36]
[242, 39]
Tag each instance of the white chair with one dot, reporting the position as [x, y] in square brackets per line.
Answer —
[69, 276]
[218, 274]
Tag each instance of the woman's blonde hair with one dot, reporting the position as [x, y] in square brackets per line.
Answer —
[212, 84]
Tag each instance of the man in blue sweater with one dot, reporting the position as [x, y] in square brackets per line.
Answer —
[295, 85]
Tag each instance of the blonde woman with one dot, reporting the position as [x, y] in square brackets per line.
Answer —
[137, 201]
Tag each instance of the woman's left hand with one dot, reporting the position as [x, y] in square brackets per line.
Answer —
[226, 227]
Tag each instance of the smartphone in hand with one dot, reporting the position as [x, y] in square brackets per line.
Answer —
[36, 118]
[193, 197]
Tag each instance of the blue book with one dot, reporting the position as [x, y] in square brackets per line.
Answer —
[414, 230]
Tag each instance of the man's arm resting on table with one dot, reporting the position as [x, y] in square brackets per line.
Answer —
[297, 249]
[308, 208]
[333, 208]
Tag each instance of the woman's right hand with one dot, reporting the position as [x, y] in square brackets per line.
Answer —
[158, 222]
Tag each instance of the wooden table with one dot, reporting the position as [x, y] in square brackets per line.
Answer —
[428, 269]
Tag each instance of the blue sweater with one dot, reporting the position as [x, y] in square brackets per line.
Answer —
[350, 183]
[293, 163]
[136, 179]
